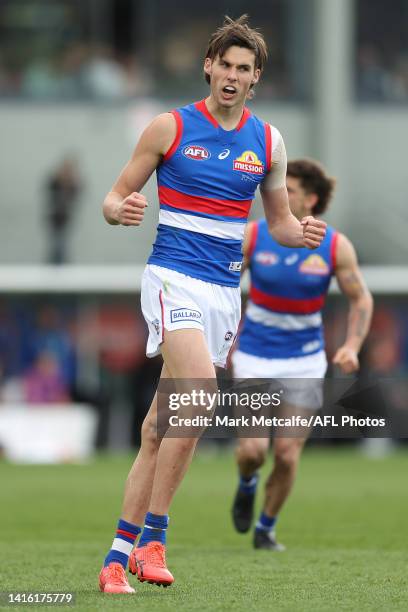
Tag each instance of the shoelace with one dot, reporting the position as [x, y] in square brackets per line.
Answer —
[156, 553]
[117, 574]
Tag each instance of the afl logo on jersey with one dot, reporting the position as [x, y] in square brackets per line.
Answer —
[196, 152]
[249, 162]
[265, 258]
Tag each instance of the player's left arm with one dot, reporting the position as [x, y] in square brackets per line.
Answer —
[282, 224]
[352, 285]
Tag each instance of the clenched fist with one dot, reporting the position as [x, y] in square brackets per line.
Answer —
[347, 359]
[131, 210]
[314, 231]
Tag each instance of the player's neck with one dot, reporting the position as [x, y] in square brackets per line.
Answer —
[228, 118]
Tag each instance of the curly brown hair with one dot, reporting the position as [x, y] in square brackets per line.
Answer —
[237, 32]
[313, 179]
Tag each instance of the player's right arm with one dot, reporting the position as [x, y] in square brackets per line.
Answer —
[352, 285]
[124, 204]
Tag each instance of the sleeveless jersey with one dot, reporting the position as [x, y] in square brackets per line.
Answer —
[206, 183]
[287, 293]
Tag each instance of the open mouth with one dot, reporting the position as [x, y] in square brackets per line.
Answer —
[229, 90]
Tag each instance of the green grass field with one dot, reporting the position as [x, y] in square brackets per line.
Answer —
[345, 527]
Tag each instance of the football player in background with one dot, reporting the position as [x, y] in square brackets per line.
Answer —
[282, 337]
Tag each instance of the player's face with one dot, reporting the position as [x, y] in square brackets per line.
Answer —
[301, 203]
[232, 76]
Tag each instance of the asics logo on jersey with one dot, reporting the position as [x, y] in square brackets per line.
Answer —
[249, 162]
[291, 259]
[184, 314]
[196, 152]
[224, 154]
[266, 259]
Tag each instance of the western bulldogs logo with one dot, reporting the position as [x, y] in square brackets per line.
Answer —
[314, 264]
[196, 152]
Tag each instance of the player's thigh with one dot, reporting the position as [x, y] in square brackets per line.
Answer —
[186, 355]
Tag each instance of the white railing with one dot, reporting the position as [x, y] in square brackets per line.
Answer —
[84, 279]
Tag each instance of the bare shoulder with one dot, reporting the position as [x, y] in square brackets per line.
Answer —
[345, 252]
[164, 121]
[161, 132]
[276, 136]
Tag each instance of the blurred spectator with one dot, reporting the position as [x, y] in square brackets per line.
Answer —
[373, 79]
[50, 332]
[63, 190]
[105, 78]
[43, 383]
[378, 82]
[382, 49]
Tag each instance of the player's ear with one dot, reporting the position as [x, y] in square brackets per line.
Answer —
[207, 66]
[311, 201]
[256, 76]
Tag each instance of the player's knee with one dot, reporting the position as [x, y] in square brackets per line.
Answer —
[251, 453]
[149, 435]
[287, 457]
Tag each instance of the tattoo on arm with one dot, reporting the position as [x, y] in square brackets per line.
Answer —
[351, 283]
[361, 322]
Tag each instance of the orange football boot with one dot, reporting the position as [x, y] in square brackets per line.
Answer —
[112, 579]
[149, 563]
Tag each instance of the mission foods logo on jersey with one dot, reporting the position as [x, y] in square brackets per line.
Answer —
[249, 162]
[314, 264]
[196, 152]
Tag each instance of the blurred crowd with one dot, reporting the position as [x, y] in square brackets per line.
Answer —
[110, 51]
[78, 71]
[381, 78]
[83, 72]
[65, 352]
[48, 350]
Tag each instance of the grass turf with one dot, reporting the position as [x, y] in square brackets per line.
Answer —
[345, 528]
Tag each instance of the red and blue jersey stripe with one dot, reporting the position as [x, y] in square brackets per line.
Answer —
[287, 293]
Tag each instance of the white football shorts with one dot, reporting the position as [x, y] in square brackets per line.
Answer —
[299, 393]
[171, 300]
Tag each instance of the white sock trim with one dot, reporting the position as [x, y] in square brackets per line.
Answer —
[122, 546]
